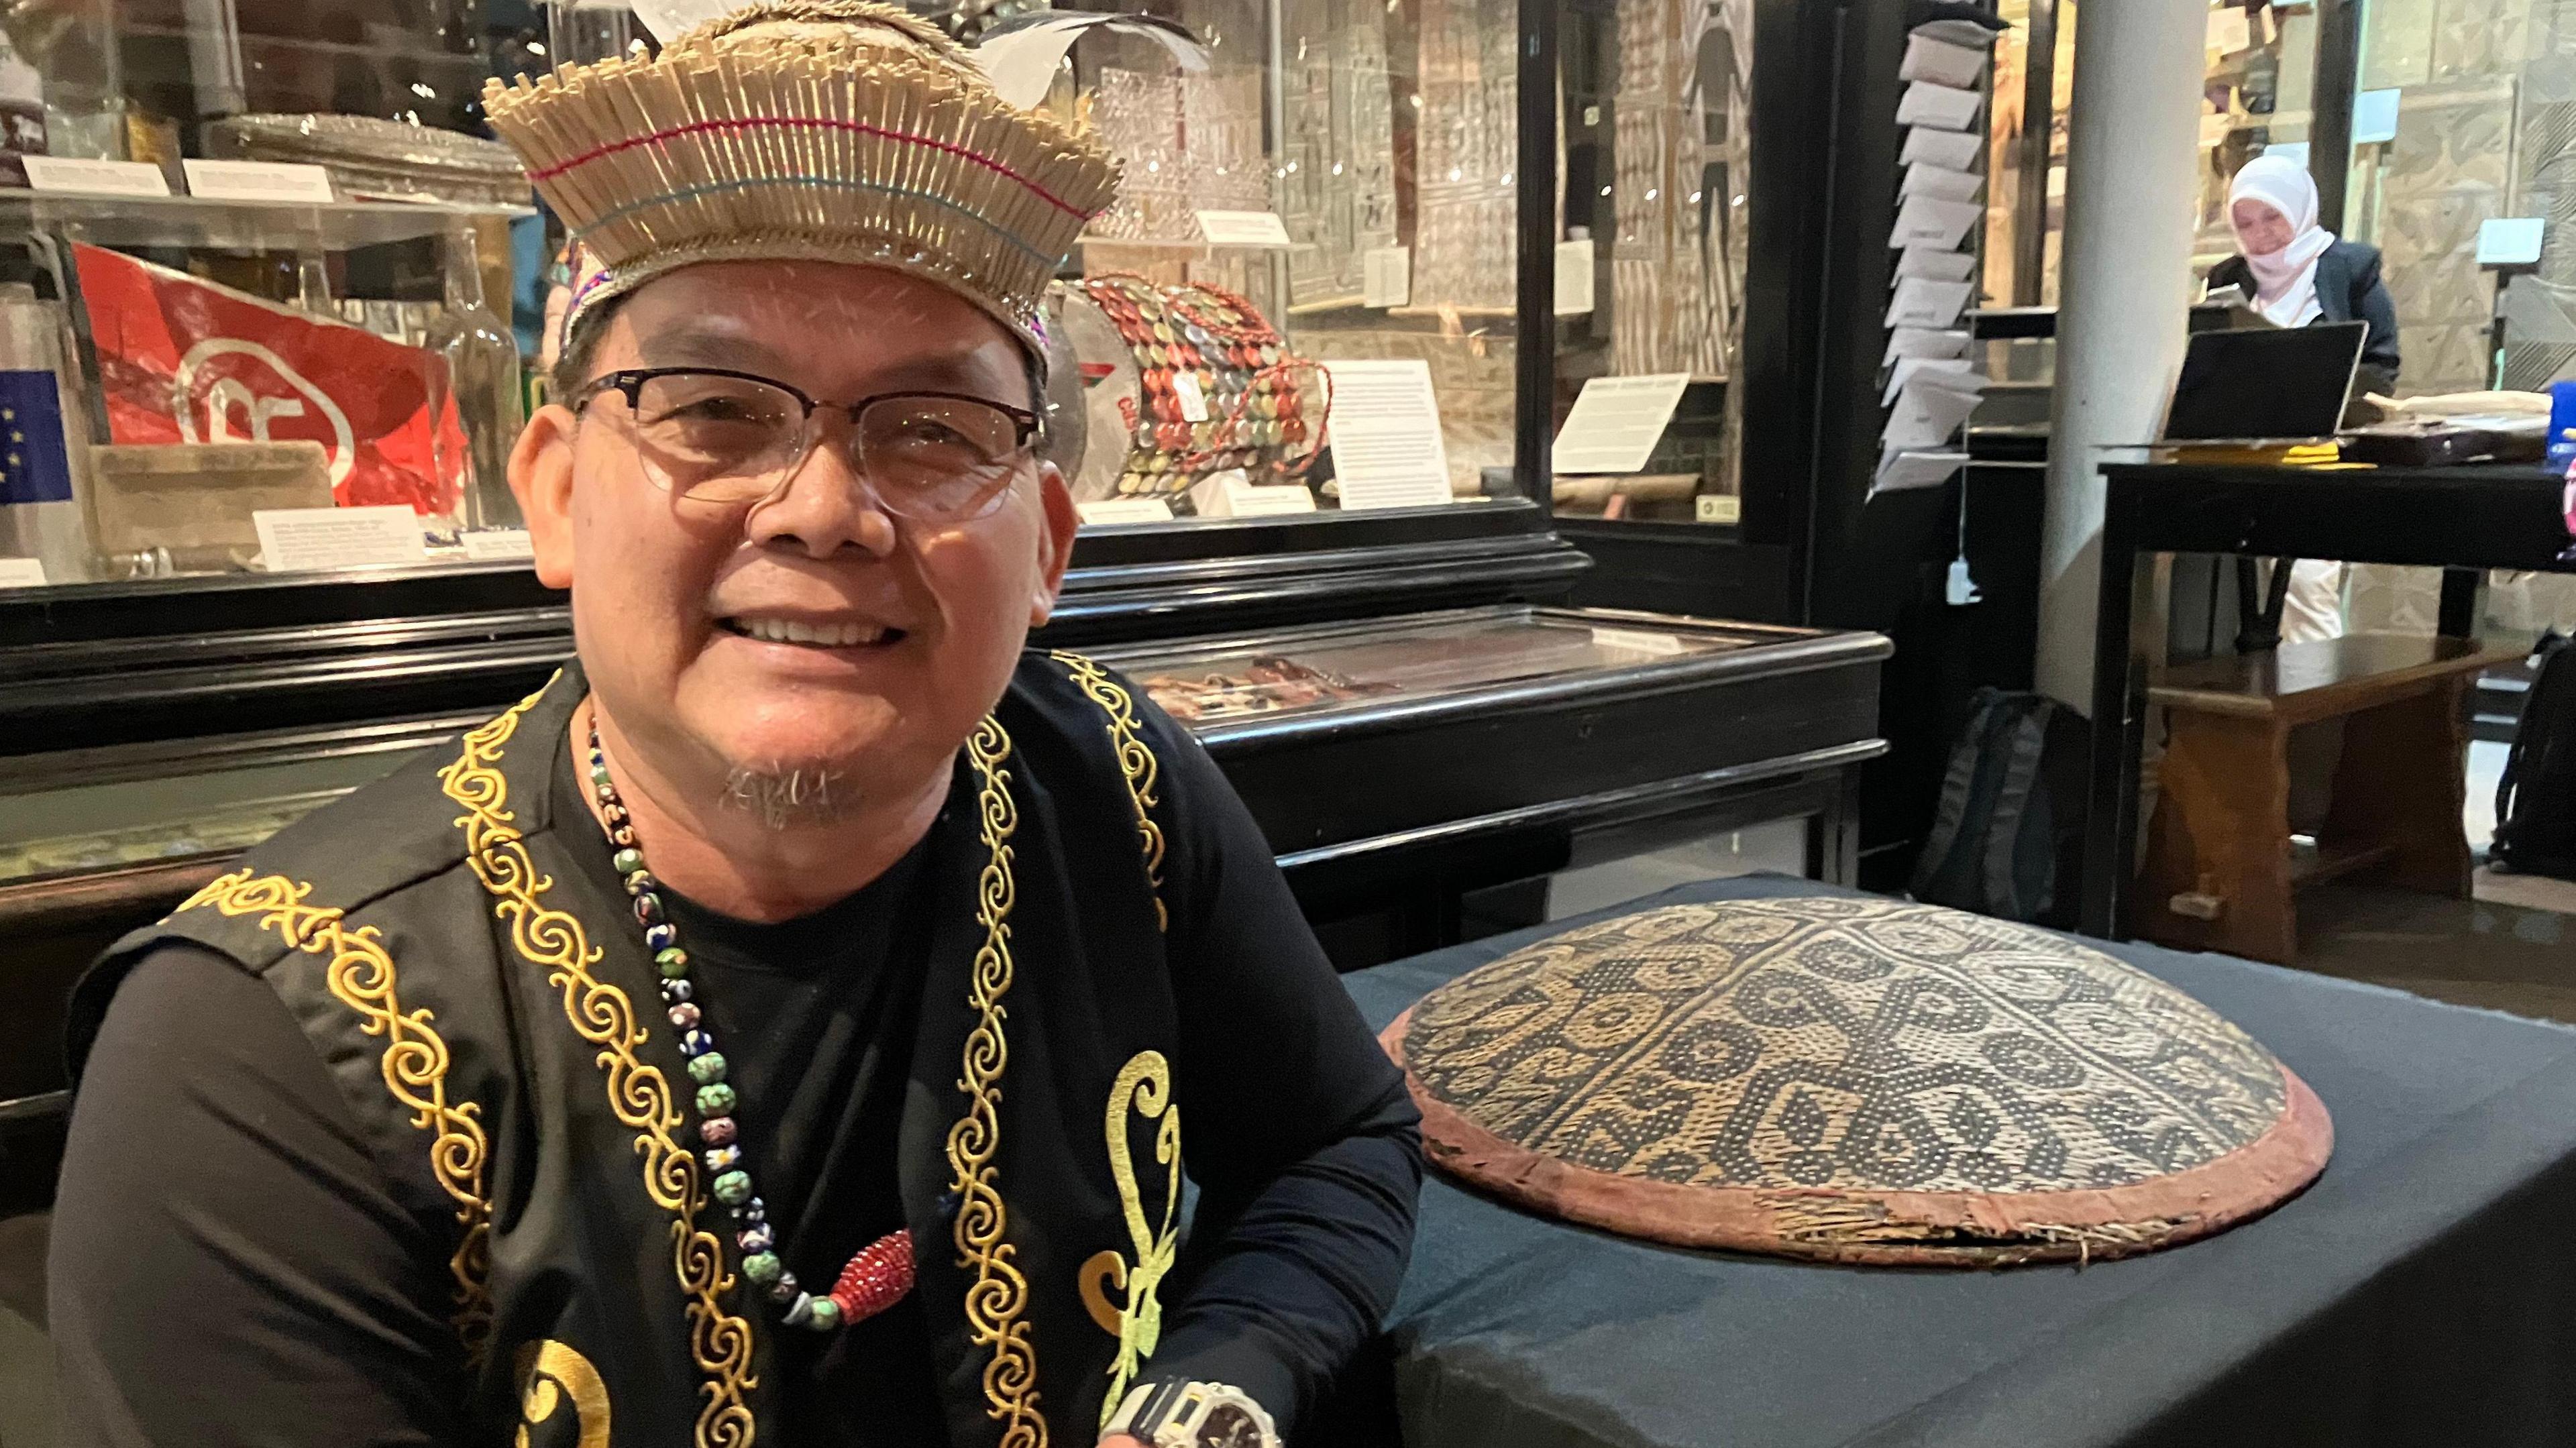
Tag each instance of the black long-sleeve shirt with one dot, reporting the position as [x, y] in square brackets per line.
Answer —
[231, 1267]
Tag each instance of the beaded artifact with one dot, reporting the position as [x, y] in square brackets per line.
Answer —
[1216, 386]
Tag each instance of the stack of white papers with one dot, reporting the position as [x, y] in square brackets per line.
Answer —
[1932, 381]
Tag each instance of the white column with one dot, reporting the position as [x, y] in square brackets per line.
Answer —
[2124, 291]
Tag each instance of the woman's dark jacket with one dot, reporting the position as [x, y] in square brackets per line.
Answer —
[2348, 290]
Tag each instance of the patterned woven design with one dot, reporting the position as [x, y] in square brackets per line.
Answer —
[1855, 1078]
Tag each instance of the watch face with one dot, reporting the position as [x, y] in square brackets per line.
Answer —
[1227, 1426]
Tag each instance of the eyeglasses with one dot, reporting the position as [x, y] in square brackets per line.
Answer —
[718, 436]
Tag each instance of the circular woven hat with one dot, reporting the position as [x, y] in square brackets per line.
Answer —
[1854, 1080]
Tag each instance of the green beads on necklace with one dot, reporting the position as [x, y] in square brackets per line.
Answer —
[627, 862]
[715, 1099]
[762, 1267]
[672, 961]
[707, 1069]
[733, 1188]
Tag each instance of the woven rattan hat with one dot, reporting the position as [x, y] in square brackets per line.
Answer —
[1854, 1080]
[806, 130]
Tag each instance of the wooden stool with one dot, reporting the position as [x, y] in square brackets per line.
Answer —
[2219, 872]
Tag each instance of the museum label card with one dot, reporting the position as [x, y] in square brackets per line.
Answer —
[1385, 428]
[499, 545]
[257, 181]
[1637, 641]
[22, 573]
[1574, 277]
[1931, 221]
[1923, 179]
[292, 539]
[1125, 510]
[1386, 276]
[95, 178]
[1927, 58]
[1616, 421]
[1936, 264]
[1957, 150]
[2511, 240]
[1243, 228]
[2374, 116]
[1233, 494]
[1718, 508]
[1943, 107]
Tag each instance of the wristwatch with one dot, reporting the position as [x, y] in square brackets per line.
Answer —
[1193, 1415]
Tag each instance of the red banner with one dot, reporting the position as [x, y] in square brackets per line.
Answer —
[185, 360]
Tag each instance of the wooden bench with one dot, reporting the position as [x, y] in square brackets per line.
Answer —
[2220, 872]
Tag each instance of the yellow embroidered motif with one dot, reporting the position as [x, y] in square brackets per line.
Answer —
[1144, 1085]
[638, 1092]
[361, 974]
[551, 1374]
[999, 1296]
[1135, 760]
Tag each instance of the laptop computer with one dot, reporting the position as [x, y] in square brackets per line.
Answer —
[2265, 384]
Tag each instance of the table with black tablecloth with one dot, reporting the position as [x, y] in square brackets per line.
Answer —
[2422, 1292]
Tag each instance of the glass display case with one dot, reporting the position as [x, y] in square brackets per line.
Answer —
[1651, 264]
[1288, 411]
[1304, 296]
[259, 270]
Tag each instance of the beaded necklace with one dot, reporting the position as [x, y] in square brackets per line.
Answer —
[875, 1279]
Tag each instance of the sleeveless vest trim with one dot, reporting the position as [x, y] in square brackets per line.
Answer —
[638, 1092]
[1135, 760]
[555, 1375]
[1144, 1085]
[415, 1064]
[998, 1298]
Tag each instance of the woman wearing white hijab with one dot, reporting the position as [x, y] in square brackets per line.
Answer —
[2297, 272]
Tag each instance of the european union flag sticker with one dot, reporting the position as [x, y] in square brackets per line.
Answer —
[33, 468]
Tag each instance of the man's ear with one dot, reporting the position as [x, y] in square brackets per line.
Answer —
[541, 477]
[1056, 513]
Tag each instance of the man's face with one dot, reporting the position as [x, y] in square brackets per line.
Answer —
[906, 632]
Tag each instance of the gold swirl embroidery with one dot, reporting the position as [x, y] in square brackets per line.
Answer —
[549, 1374]
[1144, 1085]
[638, 1092]
[999, 1295]
[1135, 760]
[415, 1063]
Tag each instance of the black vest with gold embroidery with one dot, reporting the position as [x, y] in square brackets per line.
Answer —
[490, 1013]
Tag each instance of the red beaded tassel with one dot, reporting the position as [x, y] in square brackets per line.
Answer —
[876, 1279]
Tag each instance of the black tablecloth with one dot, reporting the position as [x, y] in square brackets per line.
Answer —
[2423, 1292]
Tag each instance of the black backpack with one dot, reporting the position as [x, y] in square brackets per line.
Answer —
[2008, 840]
[2536, 801]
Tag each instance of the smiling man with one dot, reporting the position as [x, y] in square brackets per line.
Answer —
[781, 1028]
